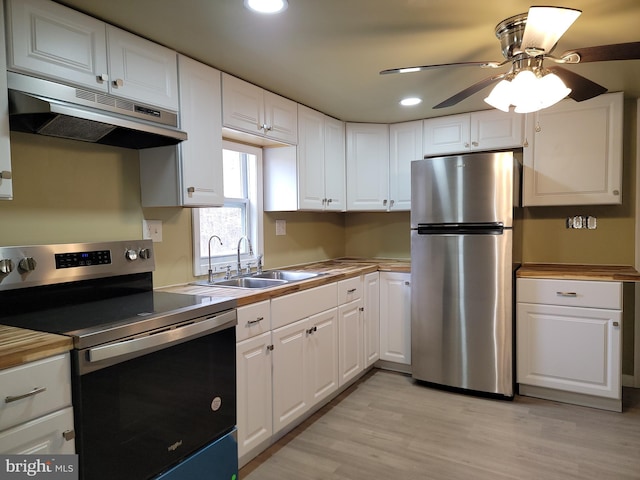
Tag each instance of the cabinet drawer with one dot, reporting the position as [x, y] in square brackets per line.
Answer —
[253, 320]
[41, 436]
[349, 290]
[574, 293]
[50, 377]
[297, 306]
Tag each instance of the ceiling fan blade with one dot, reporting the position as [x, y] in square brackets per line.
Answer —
[442, 65]
[544, 27]
[602, 53]
[467, 92]
[581, 88]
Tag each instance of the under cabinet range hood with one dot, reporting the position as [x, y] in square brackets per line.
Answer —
[48, 108]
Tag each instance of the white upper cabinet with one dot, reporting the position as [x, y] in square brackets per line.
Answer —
[476, 131]
[189, 174]
[334, 165]
[405, 146]
[6, 183]
[142, 70]
[367, 166]
[251, 109]
[52, 41]
[580, 165]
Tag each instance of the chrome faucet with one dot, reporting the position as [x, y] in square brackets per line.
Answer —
[250, 251]
[211, 271]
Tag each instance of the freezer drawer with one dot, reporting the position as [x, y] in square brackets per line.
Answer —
[461, 311]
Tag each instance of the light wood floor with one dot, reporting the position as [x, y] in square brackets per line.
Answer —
[387, 427]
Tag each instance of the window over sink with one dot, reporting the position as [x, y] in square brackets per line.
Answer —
[241, 214]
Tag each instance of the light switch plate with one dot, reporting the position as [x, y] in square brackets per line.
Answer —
[152, 230]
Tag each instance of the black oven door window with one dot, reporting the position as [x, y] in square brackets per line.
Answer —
[139, 417]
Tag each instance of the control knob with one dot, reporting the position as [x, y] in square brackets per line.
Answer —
[131, 255]
[27, 264]
[6, 266]
[145, 253]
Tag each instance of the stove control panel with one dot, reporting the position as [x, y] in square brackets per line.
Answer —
[34, 265]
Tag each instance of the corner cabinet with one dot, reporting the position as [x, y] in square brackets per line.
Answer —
[569, 341]
[476, 131]
[52, 41]
[253, 110]
[189, 174]
[581, 165]
[311, 175]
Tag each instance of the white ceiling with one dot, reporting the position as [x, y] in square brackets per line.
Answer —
[327, 53]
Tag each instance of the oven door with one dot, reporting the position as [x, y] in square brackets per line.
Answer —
[146, 409]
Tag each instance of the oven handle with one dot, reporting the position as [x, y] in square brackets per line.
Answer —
[163, 339]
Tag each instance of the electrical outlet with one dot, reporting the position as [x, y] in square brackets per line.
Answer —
[152, 230]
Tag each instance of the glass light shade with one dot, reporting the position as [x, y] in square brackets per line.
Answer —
[552, 90]
[266, 6]
[500, 96]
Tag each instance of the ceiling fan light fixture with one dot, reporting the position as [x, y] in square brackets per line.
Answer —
[266, 6]
[528, 92]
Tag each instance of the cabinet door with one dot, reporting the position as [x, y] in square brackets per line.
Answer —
[322, 355]
[367, 166]
[395, 317]
[405, 146]
[582, 166]
[311, 153]
[290, 399]
[334, 165]
[494, 129]
[242, 105]
[141, 70]
[52, 41]
[200, 116]
[351, 358]
[445, 135]
[281, 118]
[371, 320]
[569, 348]
[6, 183]
[254, 408]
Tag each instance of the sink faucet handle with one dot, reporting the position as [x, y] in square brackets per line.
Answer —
[227, 274]
[248, 267]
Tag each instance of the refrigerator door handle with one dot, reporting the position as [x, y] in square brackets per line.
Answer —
[461, 229]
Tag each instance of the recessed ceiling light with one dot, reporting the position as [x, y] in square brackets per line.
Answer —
[266, 6]
[409, 102]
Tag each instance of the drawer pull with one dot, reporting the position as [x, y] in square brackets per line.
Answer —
[566, 294]
[69, 435]
[351, 290]
[616, 324]
[15, 398]
[253, 322]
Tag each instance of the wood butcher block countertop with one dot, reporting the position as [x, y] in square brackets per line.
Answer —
[18, 345]
[617, 273]
[331, 270]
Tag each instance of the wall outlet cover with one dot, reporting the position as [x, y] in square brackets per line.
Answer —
[152, 230]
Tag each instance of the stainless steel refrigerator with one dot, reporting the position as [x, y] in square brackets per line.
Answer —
[462, 265]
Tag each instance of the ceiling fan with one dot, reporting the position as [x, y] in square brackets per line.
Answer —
[527, 40]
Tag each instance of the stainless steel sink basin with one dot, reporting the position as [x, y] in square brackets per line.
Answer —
[286, 275]
[244, 282]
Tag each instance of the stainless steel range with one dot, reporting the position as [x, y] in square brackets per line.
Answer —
[154, 390]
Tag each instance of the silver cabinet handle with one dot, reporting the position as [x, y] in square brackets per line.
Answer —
[103, 77]
[616, 324]
[15, 398]
[118, 82]
[6, 174]
[384, 202]
[566, 294]
[351, 290]
[475, 144]
[69, 435]
[253, 322]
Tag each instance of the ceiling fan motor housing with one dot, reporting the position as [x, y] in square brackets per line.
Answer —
[510, 32]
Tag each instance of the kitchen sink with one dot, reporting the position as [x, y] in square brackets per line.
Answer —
[269, 278]
[286, 275]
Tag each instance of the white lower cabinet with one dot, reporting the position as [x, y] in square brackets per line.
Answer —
[36, 416]
[395, 317]
[569, 341]
[371, 318]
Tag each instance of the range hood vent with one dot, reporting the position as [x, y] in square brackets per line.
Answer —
[48, 108]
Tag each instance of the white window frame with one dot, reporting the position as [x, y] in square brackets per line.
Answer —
[254, 227]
